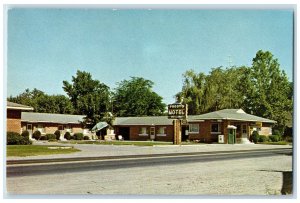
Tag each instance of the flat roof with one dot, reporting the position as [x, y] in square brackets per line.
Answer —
[51, 118]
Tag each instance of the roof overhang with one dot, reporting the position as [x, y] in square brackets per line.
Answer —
[20, 108]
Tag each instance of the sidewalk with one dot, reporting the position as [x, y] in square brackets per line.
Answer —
[95, 150]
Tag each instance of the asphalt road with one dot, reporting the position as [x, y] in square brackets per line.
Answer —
[17, 169]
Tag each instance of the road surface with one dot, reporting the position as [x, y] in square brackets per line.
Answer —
[255, 172]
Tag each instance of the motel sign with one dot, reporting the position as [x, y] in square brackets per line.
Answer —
[177, 111]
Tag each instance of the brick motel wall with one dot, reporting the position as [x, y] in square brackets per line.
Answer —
[52, 127]
[134, 133]
[13, 121]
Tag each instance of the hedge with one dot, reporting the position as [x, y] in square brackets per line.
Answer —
[50, 136]
[67, 135]
[57, 134]
[14, 138]
[78, 136]
[86, 137]
[263, 138]
[37, 135]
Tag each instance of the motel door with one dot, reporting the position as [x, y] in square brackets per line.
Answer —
[231, 136]
[29, 128]
[152, 133]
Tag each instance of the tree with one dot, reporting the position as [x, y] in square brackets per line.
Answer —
[89, 97]
[44, 103]
[271, 97]
[193, 92]
[219, 89]
[135, 98]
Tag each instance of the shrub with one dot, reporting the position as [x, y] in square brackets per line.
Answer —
[254, 137]
[86, 137]
[72, 137]
[37, 135]
[263, 138]
[57, 134]
[276, 132]
[14, 138]
[274, 138]
[43, 138]
[25, 134]
[67, 135]
[50, 136]
[289, 139]
[78, 136]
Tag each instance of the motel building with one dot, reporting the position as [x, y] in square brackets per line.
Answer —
[228, 126]
[223, 126]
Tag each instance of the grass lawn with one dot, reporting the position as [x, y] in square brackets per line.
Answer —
[34, 150]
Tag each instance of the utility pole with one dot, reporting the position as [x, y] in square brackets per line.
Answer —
[229, 79]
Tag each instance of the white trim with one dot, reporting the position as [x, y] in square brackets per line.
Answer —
[143, 134]
[20, 108]
[162, 135]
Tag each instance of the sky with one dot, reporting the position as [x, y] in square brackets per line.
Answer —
[46, 46]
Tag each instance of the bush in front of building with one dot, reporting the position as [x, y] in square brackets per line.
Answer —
[263, 138]
[274, 138]
[78, 136]
[25, 134]
[254, 137]
[43, 138]
[86, 137]
[67, 136]
[14, 138]
[37, 135]
[50, 136]
[57, 134]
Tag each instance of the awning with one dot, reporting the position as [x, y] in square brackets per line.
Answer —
[231, 127]
[99, 126]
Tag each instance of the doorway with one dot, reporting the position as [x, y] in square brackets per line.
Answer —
[231, 136]
[29, 128]
[125, 132]
[184, 133]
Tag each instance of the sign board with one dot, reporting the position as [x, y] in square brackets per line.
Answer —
[177, 111]
[259, 124]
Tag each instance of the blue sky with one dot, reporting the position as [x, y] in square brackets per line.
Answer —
[47, 46]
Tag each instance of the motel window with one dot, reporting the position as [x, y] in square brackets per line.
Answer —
[193, 128]
[40, 127]
[143, 131]
[161, 131]
[215, 128]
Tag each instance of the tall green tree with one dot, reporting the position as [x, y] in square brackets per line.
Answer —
[271, 97]
[135, 97]
[193, 92]
[89, 97]
[44, 103]
[220, 89]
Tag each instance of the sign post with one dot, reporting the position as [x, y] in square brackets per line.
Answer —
[177, 112]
